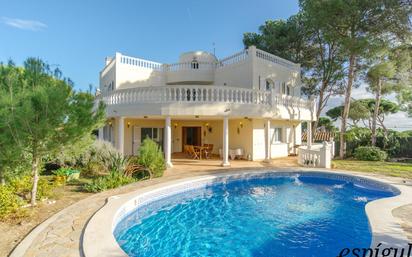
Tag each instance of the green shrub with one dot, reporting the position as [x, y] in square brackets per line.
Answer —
[151, 157]
[10, 203]
[22, 186]
[117, 162]
[370, 153]
[92, 160]
[113, 180]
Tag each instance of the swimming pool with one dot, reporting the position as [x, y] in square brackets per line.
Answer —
[270, 214]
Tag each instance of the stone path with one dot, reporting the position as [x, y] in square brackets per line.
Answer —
[404, 214]
[61, 234]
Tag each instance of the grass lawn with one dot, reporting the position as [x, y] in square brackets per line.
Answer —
[394, 169]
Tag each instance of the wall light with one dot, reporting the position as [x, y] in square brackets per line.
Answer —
[175, 125]
[128, 124]
[241, 124]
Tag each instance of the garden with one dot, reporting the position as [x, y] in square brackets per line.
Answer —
[48, 145]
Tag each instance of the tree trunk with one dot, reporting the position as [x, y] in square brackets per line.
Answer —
[319, 109]
[345, 114]
[376, 111]
[35, 172]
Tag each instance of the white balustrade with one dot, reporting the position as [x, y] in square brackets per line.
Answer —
[128, 60]
[202, 94]
[235, 58]
[276, 59]
[316, 156]
[189, 66]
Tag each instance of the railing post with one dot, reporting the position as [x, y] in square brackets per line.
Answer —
[325, 156]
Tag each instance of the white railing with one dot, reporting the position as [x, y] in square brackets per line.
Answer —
[315, 156]
[200, 94]
[235, 58]
[140, 62]
[189, 66]
[276, 59]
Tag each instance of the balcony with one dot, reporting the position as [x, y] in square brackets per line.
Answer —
[206, 100]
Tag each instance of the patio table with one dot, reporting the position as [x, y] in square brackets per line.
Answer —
[201, 149]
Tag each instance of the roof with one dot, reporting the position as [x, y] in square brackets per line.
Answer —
[320, 136]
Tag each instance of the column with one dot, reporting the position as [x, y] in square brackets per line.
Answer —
[309, 133]
[294, 139]
[267, 142]
[225, 150]
[168, 142]
[120, 135]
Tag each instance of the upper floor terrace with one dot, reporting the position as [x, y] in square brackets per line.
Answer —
[249, 83]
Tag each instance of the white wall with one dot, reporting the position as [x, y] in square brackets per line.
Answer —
[235, 75]
[108, 76]
[278, 149]
[240, 135]
[135, 76]
[267, 70]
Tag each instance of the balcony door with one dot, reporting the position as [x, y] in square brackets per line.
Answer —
[191, 136]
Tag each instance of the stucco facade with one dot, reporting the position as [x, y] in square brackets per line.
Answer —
[257, 94]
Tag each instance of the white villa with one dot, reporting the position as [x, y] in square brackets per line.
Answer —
[248, 105]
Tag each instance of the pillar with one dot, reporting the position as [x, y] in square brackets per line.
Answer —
[168, 142]
[267, 142]
[293, 139]
[120, 135]
[225, 150]
[325, 156]
[309, 134]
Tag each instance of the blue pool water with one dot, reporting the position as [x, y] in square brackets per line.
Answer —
[295, 215]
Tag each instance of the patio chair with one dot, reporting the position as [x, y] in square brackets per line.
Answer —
[195, 154]
[208, 151]
[185, 149]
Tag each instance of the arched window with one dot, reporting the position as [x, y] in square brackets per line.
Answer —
[288, 89]
[270, 84]
[195, 64]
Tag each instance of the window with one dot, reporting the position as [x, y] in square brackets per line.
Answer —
[276, 135]
[156, 134]
[288, 90]
[110, 87]
[108, 133]
[269, 84]
[283, 88]
[195, 64]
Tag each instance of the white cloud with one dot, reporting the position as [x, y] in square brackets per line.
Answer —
[32, 25]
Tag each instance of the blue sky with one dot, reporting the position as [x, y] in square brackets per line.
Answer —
[78, 35]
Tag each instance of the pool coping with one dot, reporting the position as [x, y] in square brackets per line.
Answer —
[386, 230]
